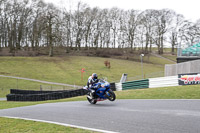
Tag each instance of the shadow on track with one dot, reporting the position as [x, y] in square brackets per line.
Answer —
[101, 104]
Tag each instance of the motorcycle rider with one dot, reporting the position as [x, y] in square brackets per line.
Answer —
[91, 81]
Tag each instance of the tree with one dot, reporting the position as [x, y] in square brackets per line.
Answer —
[188, 33]
[52, 19]
[148, 19]
[37, 24]
[178, 21]
[79, 19]
[163, 22]
[106, 34]
[26, 24]
[132, 25]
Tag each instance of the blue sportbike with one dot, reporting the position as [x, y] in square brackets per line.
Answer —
[102, 92]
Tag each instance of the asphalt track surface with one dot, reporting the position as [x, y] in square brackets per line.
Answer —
[125, 116]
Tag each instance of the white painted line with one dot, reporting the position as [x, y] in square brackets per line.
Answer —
[3, 99]
[63, 124]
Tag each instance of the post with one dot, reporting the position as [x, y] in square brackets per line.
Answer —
[40, 87]
[81, 75]
[17, 82]
[142, 65]
[82, 71]
[123, 78]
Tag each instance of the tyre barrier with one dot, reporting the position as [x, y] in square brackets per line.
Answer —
[25, 95]
[17, 91]
[112, 86]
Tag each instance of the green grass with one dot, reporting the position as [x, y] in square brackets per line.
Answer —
[157, 61]
[68, 70]
[165, 50]
[148, 59]
[171, 57]
[8, 125]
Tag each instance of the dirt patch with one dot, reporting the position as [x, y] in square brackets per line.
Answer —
[21, 52]
[4, 73]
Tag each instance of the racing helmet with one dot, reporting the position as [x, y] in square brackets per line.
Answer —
[94, 75]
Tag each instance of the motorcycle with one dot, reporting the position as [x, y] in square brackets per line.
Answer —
[103, 92]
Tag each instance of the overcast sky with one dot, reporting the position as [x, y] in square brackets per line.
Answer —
[189, 8]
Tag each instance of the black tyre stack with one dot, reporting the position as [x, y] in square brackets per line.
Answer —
[31, 95]
[112, 86]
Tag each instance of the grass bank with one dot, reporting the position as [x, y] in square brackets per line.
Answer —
[68, 69]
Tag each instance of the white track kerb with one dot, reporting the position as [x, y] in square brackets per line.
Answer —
[63, 124]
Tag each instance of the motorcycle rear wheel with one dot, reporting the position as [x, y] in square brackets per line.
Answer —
[92, 101]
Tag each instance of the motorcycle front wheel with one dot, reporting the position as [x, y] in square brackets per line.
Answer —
[110, 95]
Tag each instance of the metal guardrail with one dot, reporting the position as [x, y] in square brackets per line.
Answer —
[139, 84]
[163, 81]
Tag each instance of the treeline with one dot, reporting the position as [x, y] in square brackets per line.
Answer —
[34, 24]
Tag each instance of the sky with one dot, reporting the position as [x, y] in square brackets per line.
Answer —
[189, 8]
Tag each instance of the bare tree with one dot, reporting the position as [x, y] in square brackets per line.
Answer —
[148, 20]
[163, 21]
[107, 23]
[51, 27]
[33, 23]
[178, 21]
[122, 35]
[133, 23]
[79, 24]
[37, 23]
[114, 15]
[188, 33]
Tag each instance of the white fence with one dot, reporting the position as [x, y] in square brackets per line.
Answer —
[163, 81]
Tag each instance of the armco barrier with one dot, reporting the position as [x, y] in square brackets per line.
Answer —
[24, 95]
[155, 82]
[118, 86]
[163, 81]
[138, 84]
